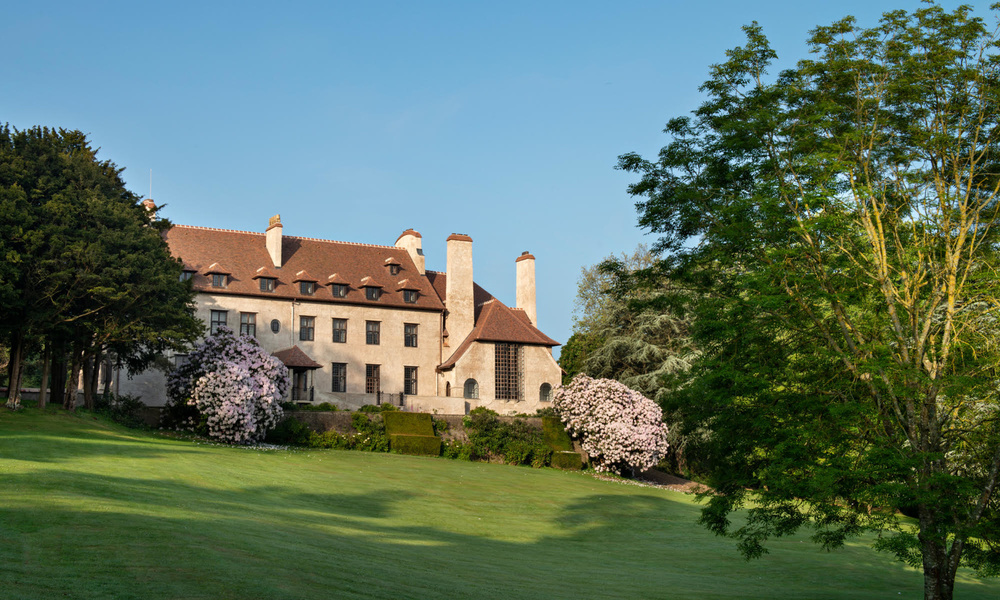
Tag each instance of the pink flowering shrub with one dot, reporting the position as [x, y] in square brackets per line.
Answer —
[618, 427]
[230, 389]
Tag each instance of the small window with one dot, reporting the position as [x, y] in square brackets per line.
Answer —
[219, 280]
[410, 296]
[410, 381]
[180, 360]
[340, 331]
[373, 330]
[275, 326]
[339, 377]
[410, 335]
[267, 284]
[186, 275]
[248, 324]
[219, 319]
[394, 269]
[373, 383]
[307, 327]
[373, 293]
[339, 290]
[545, 393]
[307, 288]
[471, 389]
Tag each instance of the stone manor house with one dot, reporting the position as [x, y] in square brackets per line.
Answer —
[364, 324]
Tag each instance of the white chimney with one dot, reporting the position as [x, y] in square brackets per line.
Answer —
[410, 241]
[458, 290]
[274, 240]
[526, 286]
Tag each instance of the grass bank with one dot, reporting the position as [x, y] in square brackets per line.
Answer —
[91, 510]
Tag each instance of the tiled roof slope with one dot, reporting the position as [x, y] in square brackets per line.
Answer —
[243, 253]
[495, 322]
[294, 357]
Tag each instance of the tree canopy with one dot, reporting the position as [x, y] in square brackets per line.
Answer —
[86, 271]
[838, 222]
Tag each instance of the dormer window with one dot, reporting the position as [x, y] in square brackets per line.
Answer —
[219, 280]
[373, 293]
[410, 296]
[394, 269]
[339, 290]
[267, 284]
[307, 288]
[186, 275]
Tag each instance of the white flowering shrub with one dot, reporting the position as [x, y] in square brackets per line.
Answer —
[618, 427]
[230, 390]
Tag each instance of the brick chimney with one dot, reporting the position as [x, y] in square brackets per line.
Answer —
[410, 241]
[458, 289]
[274, 240]
[526, 285]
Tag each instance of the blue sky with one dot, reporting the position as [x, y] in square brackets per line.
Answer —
[355, 121]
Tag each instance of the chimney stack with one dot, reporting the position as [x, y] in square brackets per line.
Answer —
[410, 241]
[459, 298]
[274, 240]
[526, 286]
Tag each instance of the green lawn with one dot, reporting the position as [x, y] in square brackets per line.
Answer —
[91, 510]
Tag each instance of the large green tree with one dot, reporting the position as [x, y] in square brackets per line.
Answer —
[839, 222]
[87, 270]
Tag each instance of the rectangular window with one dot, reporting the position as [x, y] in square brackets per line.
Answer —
[248, 324]
[307, 288]
[180, 360]
[266, 284]
[410, 335]
[394, 269]
[186, 275]
[340, 331]
[218, 280]
[373, 293]
[339, 290]
[373, 385]
[372, 331]
[219, 318]
[340, 377]
[509, 365]
[307, 326]
[410, 296]
[410, 381]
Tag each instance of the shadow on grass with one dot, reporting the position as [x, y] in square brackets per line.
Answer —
[135, 538]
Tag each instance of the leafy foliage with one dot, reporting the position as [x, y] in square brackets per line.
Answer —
[512, 441]
[230, 389]
[621, 430]
[838, 227]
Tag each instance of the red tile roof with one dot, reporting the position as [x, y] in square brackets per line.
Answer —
[243, 252]
[296, 358]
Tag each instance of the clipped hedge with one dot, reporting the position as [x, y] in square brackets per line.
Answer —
[420, 445]
[555, 435]
[407, 423]
[568, 460]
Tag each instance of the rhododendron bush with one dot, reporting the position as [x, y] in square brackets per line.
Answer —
[230, 389]
[618, 427]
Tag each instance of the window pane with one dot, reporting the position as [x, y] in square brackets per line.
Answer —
[218, 319]
[509, 371]
[266, 284]
[307, 288]
[471, 389]
[248, 324]
[340, 330]
[372, 331]
[373, 293]
[372, 382]
[410, 335]
[306, 328]
[410, 381]
[339, 377]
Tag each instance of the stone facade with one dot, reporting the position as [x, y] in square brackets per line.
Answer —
[368, 319]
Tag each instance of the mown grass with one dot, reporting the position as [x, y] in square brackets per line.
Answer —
[91, 510]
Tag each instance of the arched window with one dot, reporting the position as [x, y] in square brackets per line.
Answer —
[545, 393]
[471, 389]
[447, 388]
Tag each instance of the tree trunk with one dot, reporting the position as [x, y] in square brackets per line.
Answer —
[69, 403]
[939, 575]
[14, 371]
[107, 374]
[95, 374]
[88, 375]
[58, 371]
[43, 387]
